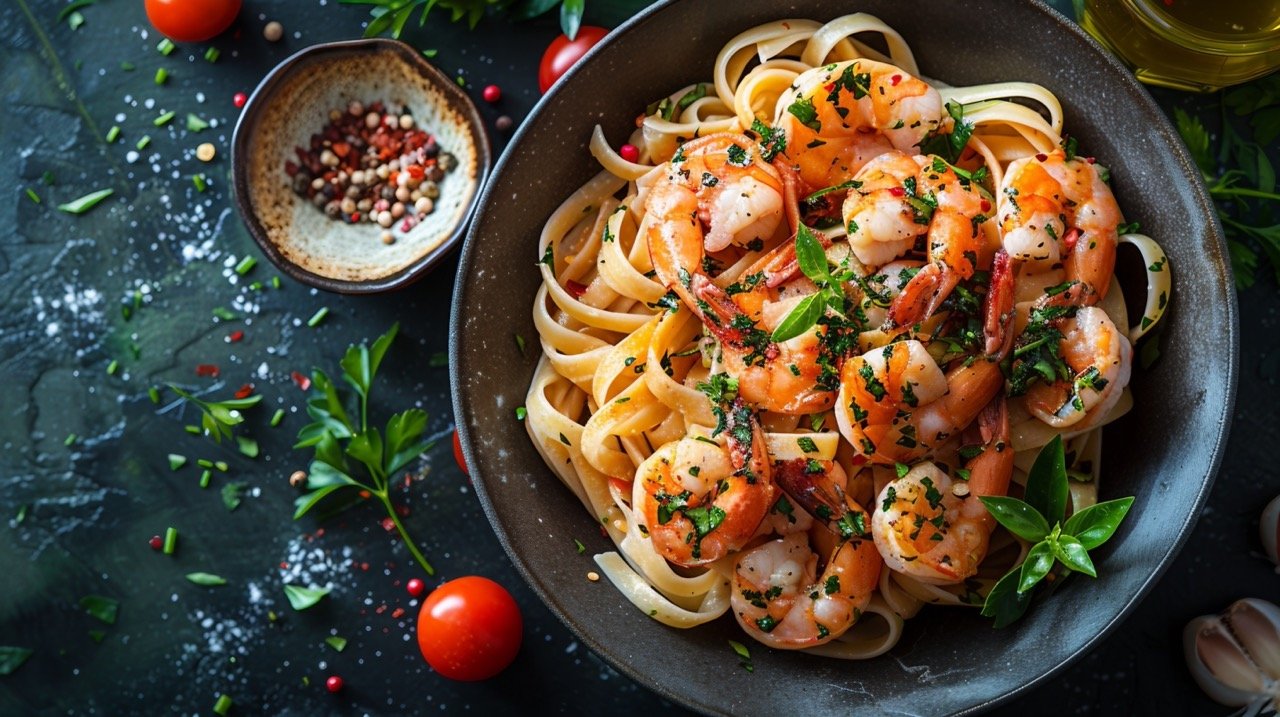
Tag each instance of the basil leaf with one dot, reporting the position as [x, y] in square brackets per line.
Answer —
[571, 17]
[87, 202]
[1021, 519]
[1037, 565]
[1072, 553]
[1047, 482]
[301, 598]
[529, 9]
[103, 608]
[11, 658]
[805, 314]
[1094, 525]
[811, 257]
[1004, 602]
[206, 579]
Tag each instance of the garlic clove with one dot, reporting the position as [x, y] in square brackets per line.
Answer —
[1256, 626]
[1269, 530]
[1218, 663]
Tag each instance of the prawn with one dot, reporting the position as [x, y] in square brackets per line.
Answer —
[779, 597]
[719, 193]
[837, 117]
[1057, 209]
[936, 530]
[699, 501]
[1099, 358]
[898, 198]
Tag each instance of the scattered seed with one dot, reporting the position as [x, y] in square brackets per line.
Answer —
[206, 152]
[593, 576]
[297, 479]
[273, 31]
[504, 123]
[960, 490]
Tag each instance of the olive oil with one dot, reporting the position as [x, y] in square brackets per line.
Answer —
[1199, 45]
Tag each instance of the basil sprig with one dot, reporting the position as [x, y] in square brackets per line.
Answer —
[1039, 520]
[830, 294]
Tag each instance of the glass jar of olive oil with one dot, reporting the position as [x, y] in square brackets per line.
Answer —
[1198, 45]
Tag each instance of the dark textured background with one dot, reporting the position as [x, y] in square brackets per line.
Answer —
[92, 505]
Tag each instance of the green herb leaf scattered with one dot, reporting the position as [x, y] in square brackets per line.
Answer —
[337, 643]
[11, 658]
[103, 608]
[87, 202]
[301, 598]
[206, 579]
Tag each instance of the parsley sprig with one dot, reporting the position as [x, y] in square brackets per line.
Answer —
[218, 419]
[1039, 520]
[949, 145]
[351, 454]
[812, 259]
[392, 15]
[1240, 177]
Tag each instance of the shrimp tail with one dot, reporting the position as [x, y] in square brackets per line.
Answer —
[998, 324]
[991, 470]
[724, 319]
[810, 490]
[745, 438]
[790, 192]
[922, 296]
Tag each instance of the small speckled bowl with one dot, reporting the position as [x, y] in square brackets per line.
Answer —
[293, 102]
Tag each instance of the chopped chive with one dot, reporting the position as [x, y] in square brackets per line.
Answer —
[198, 181]
[221, 465]
[211, 55]
[113, 367]
[430, 53]
[245, 265]
[166, 47]
[248, 446]
[275, 282]
[193, 430]
[195, 123]
[462, 82]
[71, 438]
[176, 461]
[439, 359]
[520, 343]
[47, 178]
[224, 314]
[205, 476]
[154, 394]
[521, 412]
[127, 66]
[207, 579]
[222, 706]
[142, 143]
[162, 75]
[337, 643]
[317, 317]
[170, 540]
[164, 119]
[277, 417]
[22, 514]
[31, 194]
[85, 203]
[256, 286]
[581, 548]
[204, 462]
[113, 134]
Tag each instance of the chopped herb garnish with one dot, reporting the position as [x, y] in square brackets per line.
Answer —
[337, 643]
[207, 579]
[301, 598]
[232, 494]
[162, 75]
[85, 203]
[166, 46]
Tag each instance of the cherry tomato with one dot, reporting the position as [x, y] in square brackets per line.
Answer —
[469, 629]
[562, 53]
[457, 454]
[192, 20]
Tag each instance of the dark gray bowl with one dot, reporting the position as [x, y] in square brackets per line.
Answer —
[1165, 452]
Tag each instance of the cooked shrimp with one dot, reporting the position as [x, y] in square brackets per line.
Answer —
[1100, 359]
[722, 194]
[699, 500]
[937, 532]
[900, 198]
[780, 599]
[835, 116]
[897, 406]
[1053, 208]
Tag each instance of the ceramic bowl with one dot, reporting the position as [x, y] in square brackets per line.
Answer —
[292, 103]
[949, 661]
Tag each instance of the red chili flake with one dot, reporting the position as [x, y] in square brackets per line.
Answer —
[897, 191]
[403, 510]
[895, 80]
[284, 565]
[355, 217]
[235, 336]
[303, 382]
[397, 613]
[575, 289]
[320, 533]
[1090, 160]
[986, 206]
[206, 369]
[342, 149]
[239, 98]
[415, 171]
[629, 152]
[380, 609]
[492, 93]
[364, 567]
[1041, 157]
[388, 524]
[156, 542]
[244, 391]
[1071, 237]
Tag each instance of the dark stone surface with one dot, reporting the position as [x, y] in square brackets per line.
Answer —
[91, 506]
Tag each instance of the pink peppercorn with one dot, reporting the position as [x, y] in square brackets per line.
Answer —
[415, 587]
[492, 93]
[333, 684]
[629, 152]
[239, 98]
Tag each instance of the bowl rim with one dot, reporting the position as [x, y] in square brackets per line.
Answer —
[248, 122]
[1186, 166]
